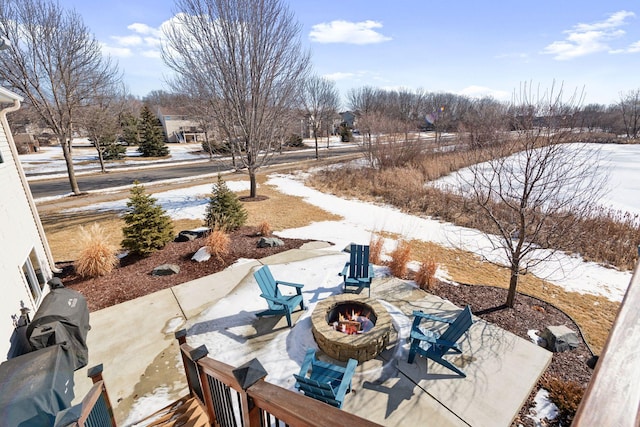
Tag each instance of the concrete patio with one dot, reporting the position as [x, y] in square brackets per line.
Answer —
[134, 341]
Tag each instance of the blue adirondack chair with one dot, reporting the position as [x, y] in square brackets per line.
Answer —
[434, 345]
[357, 272]
[326, 382]
[278, 303]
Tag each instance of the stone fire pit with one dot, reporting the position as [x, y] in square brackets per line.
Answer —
[341, 346]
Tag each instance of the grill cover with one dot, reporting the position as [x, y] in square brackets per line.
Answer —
[34, 387]
[63, 316]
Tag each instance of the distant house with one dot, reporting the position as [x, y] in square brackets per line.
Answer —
[179, 126]
[349, 117]
[26, 262]
[26, 143]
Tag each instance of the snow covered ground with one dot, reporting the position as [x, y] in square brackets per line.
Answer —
[621, 163]
[361, 219]
[50, 160]
[222, 327]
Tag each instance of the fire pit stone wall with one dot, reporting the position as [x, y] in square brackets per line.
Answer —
[341, 346]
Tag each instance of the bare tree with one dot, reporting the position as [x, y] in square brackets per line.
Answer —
[248, 57]
[483, 122]
[532, 199]
[55, 63]
[101, 120]
[630, 108]
[320, 101]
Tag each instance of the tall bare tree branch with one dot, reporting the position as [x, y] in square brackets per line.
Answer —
[248, 58]
[534, 197]
[55, 63]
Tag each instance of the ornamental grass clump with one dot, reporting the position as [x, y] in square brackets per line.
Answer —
[148, 227]
[566, 395]
[218, 243]
[375, 249]
[264, 229]
[426, 275]
[97, 256]
[399, 259]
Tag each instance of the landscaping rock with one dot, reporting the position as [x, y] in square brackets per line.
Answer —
[560, 338]
[189, 235]
[201, 255]
[269, 242]
[166, 270]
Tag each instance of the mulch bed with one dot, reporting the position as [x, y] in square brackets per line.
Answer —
[133, 279]
[529, 313]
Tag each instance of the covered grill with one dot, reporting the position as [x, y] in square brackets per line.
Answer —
[63, 317]
[34, 387]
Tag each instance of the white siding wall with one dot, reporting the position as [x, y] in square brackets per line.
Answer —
[18, 236]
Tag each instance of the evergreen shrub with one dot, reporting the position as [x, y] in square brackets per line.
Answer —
[148, 227]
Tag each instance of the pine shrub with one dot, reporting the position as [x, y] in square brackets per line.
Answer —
[218, 243]
[224, 211]
[152, 142]
[97, 256]
[148, 227]
[375, 249]
[426, 275]
[399, 259]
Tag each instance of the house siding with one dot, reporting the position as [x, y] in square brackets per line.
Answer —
[18, 238]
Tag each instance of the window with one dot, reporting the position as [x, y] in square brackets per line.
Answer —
[34, 276]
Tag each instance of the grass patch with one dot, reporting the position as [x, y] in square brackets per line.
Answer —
[278, 210]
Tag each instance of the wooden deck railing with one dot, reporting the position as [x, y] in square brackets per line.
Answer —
[613, 395]
[240, 396]
[95, 409]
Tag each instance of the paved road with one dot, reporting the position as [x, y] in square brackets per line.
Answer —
[116, 178]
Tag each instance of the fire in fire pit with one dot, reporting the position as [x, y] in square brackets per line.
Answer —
[351, 318]
[361, 334]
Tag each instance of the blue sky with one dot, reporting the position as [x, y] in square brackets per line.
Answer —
[465, 47]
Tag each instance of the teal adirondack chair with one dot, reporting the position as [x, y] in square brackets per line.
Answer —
[357, 272]
[434, 345]
[278, 303]
[326, 382]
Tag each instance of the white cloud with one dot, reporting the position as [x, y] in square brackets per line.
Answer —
[339, 76]
[348, 32]
[474, 91]
[634, 47]
[119, 52]
[145, 29]
[586, 39]
[615, 20]
[128, 40]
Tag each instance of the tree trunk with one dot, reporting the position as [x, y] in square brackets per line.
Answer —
[315, 136]
[253, 187]
[101, 158]
[513, 285]
[66, 151]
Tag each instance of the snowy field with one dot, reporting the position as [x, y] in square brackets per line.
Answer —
[621, 163]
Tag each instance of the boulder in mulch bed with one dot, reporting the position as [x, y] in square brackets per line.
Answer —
[201, 255]
[560, 338]
[166, 270]
[189, 235]
[269, 242]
